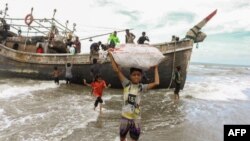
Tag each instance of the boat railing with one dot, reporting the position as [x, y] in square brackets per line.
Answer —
[44, 58]
[165, 48]
[168, 47]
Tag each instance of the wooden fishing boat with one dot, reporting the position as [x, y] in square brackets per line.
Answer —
[25, 62]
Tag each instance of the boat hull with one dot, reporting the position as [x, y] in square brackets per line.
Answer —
[80, 71]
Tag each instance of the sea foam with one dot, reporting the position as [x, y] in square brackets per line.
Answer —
[11, 90]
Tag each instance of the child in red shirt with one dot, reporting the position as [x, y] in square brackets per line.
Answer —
[98, 86]
[39, 49]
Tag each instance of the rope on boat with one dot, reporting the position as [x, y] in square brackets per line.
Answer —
[26, 38]
[173, 67]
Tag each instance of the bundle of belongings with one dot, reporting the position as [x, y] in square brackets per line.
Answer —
[137, 56]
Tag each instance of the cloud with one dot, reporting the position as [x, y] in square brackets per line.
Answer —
[227, 32]
[174, 18]
[141, 26]
[132, 15]
[101, 3]
[181, 16]
[133, 18]
[242, 5]
[242, 35]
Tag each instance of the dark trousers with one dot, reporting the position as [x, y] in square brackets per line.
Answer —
[56, 79]
[177, 88]
[112, 45]
[98, 100]
[68, 80]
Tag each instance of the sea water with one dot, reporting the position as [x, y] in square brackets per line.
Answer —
[214, 95]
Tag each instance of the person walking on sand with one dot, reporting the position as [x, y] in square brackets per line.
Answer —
[97, 86]
[177, 79]
[131, 111]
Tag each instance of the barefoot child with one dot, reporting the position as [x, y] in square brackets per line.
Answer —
[97, 88]
[56, 73]
[131, 114]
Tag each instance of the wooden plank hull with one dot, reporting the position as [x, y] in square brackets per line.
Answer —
[19, 64]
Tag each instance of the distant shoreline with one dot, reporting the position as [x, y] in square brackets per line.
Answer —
[214, 64]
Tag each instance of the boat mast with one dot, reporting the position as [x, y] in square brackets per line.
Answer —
[66, 26]
[29, 27]
[5, 11]
[41, 25]
[52, 22]
[53, 18]
[74, 27]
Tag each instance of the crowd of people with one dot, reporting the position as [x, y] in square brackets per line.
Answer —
[132, 91]
[113, 41]
[133, 87]
[73, 45]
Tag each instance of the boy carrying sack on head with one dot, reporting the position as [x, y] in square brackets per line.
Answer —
[131, 111]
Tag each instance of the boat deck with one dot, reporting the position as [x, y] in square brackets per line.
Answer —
[165, 48]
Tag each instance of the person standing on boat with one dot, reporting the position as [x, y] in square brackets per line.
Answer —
[69, 42]
[15, 46]
[39, 49]
[5, 28]
[175, 39]
[94, 48]
[77, 44]
[68, 73]
[133, 89]
[129, 37]
[72, 49]
[143, 38]
[98, 86]
[177, 80]
[113, 40]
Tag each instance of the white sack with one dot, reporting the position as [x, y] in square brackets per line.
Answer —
[103, 55]
[138, 56]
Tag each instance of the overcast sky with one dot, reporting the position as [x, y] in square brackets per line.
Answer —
[228, 33]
